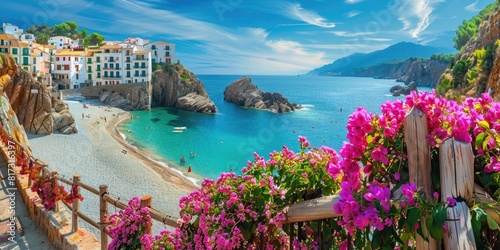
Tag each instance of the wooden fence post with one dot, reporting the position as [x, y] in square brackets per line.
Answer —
[54, 173]
[147, 202]
[103, 211]
[456, 163]
[419, 165]
[76, 204]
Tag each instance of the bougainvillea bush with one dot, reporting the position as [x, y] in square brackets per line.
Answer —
[380, 207]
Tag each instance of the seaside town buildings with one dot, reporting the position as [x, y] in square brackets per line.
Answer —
[66, 64]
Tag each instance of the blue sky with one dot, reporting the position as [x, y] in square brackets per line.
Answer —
[258, 36]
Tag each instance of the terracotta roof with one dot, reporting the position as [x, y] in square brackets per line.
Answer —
[111, 47]
[141, 52]
[24, 44]
[161, 43]
[89, 53]
[7, 37]
[67, 52]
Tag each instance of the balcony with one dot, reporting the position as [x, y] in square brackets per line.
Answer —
[141, 58]
[143, 75]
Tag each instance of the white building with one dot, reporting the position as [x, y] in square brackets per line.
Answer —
[161, 52]
[12, 29]
[117, 64]
[61, 42]
[29, 38]
[69, 69]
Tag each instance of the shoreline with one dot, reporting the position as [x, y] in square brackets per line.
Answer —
[167, 173]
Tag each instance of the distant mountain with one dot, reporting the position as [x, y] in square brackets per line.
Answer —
[397, 52]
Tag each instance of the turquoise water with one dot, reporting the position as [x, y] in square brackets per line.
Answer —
[228, 139]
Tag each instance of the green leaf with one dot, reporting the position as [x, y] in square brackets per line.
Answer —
[491, 223]
[476, 219]
[485, 142]
[413, 215]
[377, 239]
[480, 139]
[439, 215]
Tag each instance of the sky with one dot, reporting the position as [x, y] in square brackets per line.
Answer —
[257, 37]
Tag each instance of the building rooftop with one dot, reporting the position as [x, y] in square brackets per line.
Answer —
[111, 47]
[24, 44]
[141, 52]
[67, 52]
[7, 37]
[162, 43]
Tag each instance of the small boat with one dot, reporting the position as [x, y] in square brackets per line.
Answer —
[180, 128]
[178, 131]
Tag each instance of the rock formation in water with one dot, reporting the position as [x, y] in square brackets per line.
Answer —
[244, 93]
[403, 90]
[34, 105]
[175, 86]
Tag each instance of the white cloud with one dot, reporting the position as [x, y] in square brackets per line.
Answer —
[296, 11]
[472, 7]
[415, 15]
[352, 13]
[353, 1]
[351, 34]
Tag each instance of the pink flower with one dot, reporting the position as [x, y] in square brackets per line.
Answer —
[380, 154]
[451, 201]
[397, 176]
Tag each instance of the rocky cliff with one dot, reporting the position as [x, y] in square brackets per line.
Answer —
[175, 86]
[477, 65]
[35, 107]
[244, 93]
[423, 72]
[132, 96]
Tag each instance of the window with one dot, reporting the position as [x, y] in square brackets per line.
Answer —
[105, 65]
[98, 68]
[105, 82]
[153, 47]
[143, 65]
[98, 74]
[128, 65]
[76, 58]
[117, 73]
[117, 66]
[64, 58]
[66, 67]
[89, 77]
[117, 58]
[98, 59]
[167, 47]
[57, 58]
[105, 73]
[77, 76]
[111, 74]
[128, 73]
[77, 68]
[111, 65]
[89, 69]
[58, 67]
[89, 60]
[136, 73]
[14, 51]
[143, 73]
[167, 53]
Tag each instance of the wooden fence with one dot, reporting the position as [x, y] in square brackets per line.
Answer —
[456, 161]
[457, 181]
[104, 201]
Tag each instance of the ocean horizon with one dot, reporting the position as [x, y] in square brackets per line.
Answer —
[216, 143]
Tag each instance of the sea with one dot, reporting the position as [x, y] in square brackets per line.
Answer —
[226, 141]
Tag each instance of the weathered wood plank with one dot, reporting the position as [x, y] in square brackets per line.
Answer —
[419, 164]
[460, 235]
[456, 163]
[319, 208]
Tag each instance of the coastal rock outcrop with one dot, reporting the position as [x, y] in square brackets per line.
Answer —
[34, 104]
[175, 86]
[244, 93]
[424, 72]
[403, 90]
[133, 96]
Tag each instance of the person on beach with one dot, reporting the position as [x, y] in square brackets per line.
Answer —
[189, 169]
[83, 116]
[183, 160]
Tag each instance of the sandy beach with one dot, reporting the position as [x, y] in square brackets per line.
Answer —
[100, 156]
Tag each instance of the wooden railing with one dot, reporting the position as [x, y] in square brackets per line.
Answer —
[457, 180]
[105, 199]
